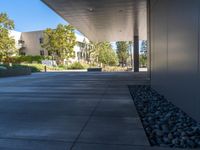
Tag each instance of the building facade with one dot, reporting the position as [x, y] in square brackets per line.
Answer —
[29, 43]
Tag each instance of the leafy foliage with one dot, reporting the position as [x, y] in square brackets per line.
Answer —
[143, 55]
[7, 43]
[143, 60]
[60, 42]
[76, 65]
[122, 51]
[114, 69]
[29, 59]
[144, 47]
[33, 68]
[103, 53]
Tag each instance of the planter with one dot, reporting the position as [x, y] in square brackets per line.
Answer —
[15, 72]
[94, 69]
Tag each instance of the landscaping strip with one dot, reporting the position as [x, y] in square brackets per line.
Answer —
[165, 124]
[15, 72]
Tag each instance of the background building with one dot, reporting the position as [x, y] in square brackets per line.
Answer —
[29, 43]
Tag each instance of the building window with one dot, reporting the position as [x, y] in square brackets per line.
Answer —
[49, 53]
[57, 53]
[41, 40]
[42, 53]
[22, 52]
[79, 55]
[20, 42]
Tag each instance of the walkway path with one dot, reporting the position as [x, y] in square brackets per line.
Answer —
[70, 111]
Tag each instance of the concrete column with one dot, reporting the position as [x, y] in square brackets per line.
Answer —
[136, 53]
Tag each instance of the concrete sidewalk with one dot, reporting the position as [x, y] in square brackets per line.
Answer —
[70, 111]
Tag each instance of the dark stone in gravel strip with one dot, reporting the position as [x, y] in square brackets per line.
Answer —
[165, 124]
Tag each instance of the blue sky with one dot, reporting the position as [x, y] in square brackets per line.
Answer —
[30, 15]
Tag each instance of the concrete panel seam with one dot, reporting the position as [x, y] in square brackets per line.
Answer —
[167, 21]
[198, 51]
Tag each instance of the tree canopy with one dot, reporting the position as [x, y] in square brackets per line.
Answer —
[144, 47]
[105, 54]
[60, 42]
[143, 55]
[122, 51]
[7, 43]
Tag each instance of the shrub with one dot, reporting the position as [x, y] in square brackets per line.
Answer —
[62, 67]
[35, 67]
[15, 70]
[3, 68]
[85, 65]
[40, 68]
[114, 69]
[28, 59]
[76, 65]
[143, 60]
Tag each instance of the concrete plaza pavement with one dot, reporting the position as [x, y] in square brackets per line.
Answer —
[70, 111]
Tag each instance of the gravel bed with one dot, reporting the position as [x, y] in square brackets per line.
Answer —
[165, 124]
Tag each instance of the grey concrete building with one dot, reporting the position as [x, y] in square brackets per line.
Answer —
[32, 43]
[171, 27]
[29, 43]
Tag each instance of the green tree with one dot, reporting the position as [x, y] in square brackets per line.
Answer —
[105, 54]
[60, 42]
[144, 47]
[7, 43]
[143, 54]
[143, 60]
[122, 52]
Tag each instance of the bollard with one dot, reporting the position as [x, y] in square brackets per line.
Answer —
[45, 68]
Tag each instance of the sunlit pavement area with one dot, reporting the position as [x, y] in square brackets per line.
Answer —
[71, 111]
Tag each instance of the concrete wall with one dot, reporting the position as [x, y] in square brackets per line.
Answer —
[32, 42]
[16, 36]
[175, 58]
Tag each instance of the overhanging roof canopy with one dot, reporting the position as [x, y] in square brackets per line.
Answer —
[104, 20]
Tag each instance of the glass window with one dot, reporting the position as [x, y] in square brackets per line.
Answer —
[42, 53]
[20, 42]
[41, 40]
[49, 53]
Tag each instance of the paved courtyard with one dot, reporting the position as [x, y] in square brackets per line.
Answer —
[70, 111]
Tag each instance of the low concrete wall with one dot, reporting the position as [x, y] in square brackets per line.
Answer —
[94, 69]
[15, 72]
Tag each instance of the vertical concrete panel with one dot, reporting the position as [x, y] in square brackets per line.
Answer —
[183, 50]
[176, 47]
[159, 48]
[198, 88]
